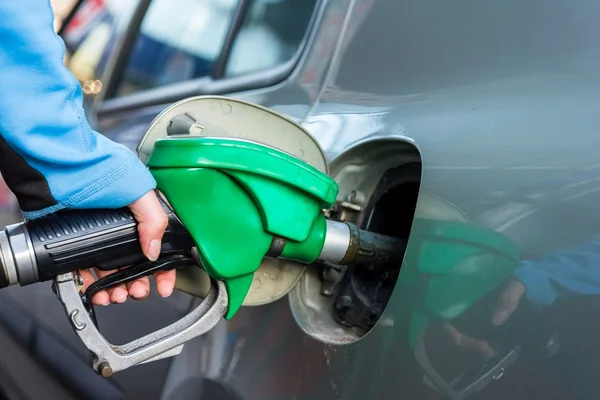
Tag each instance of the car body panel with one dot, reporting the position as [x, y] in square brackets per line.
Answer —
[501, 101]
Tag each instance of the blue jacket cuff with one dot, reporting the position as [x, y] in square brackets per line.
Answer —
[539, 288]
[118, 188]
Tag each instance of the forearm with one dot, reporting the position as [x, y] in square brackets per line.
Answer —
[50, 157]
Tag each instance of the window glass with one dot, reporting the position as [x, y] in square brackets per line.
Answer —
[178, 40]
[271, 34]
[90, 38]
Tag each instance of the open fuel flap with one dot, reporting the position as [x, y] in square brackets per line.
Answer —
[221, 117]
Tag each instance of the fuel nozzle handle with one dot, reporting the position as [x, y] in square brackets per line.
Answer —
[41, 249]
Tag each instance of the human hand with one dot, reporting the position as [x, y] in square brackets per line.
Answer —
[468, 343]
[506, 305]
[152, 222]
[508, 301]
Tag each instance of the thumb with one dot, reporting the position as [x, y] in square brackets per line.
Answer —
[508, 302]
[152, 222]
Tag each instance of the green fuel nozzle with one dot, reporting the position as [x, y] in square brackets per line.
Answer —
[242, 201]
[233, 205]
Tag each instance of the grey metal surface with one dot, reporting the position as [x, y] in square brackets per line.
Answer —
[20, 244]
[165, 342]
[337, 240]
[8, 261]
[500, 98]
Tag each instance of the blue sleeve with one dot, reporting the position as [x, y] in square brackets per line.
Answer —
[49, 155]
[572, 272]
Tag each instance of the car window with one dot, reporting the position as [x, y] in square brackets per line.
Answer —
[178, 40]
[90, 37]
[271, 33]
[181, 40]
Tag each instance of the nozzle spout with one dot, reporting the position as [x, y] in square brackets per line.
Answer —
[345, 244]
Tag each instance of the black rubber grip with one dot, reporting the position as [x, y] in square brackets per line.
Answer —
[106, 239]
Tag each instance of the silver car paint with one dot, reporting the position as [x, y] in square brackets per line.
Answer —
[501, 99]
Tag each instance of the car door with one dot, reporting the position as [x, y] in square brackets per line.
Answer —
[132, 58]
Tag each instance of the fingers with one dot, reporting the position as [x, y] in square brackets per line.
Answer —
[139, 289]
[508, 302]
[101, 298]
[118, 294]
[468, 343]
[152, 222]
[165, 282]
